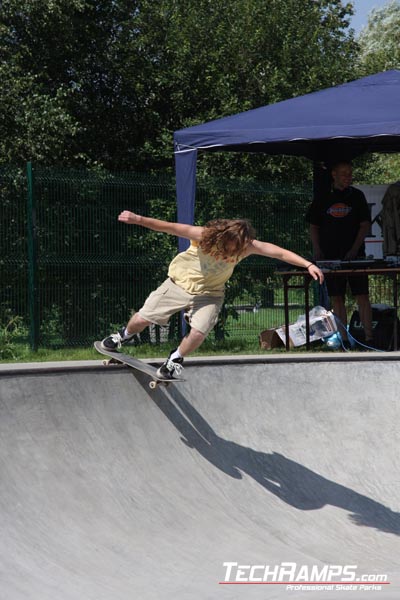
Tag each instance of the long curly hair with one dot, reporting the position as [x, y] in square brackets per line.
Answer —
[226, 238]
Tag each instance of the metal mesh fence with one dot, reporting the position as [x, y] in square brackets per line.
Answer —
[14, 315]
[71, 273]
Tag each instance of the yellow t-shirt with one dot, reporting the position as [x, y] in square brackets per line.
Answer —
[200, 273]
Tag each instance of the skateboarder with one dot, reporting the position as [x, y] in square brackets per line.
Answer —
[196, 280]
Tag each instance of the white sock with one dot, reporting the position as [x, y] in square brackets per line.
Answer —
[126, 335]
[175, 354]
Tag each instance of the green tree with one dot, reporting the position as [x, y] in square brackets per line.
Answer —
[35, 124]
[75, 74]
[380, 40]
[379, 44]
[226, 58]
[107, 82]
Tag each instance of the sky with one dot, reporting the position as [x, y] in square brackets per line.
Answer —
[362, 8]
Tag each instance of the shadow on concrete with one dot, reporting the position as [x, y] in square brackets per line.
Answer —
[293, 483]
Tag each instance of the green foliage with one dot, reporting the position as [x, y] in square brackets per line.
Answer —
[379, 50]
[379, 40]
[377, 169]
[105, 83]
[12, 329]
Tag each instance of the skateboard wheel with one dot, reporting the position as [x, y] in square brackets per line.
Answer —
[152, 385]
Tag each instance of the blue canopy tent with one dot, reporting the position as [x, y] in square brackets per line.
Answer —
[339, 122]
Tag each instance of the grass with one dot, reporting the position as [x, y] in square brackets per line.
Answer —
[22, 354]
[243, 339]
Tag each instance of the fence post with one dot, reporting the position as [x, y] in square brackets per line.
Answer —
[32, 263]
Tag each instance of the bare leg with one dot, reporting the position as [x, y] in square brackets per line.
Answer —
[365, 310]
[136, 324]
[339, 309]
[191, 342]
[188, 344]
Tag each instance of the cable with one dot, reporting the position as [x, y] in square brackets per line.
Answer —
[324, 299]
[351, 338]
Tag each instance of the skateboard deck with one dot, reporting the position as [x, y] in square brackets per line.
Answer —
[135, 363]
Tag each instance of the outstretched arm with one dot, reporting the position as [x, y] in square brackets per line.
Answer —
[273, 251]
[191, 232]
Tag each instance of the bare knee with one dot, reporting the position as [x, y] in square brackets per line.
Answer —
[136, 324]
[197, 335]
[191, 342]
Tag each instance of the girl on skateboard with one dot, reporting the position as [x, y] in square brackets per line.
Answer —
[196, 280]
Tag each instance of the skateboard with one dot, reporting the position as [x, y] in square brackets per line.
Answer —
[117, 358]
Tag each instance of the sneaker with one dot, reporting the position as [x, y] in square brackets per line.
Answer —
[170, 368]
[114, 341]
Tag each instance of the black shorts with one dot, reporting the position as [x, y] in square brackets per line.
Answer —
[336, 284]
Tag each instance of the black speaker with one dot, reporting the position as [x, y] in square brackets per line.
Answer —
[383, 319]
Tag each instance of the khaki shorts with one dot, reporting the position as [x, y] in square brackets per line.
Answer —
[169, 298]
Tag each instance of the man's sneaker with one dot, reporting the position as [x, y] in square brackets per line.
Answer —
[114, 341]
[171, 368]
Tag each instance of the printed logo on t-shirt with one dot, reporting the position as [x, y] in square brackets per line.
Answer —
[339, 210]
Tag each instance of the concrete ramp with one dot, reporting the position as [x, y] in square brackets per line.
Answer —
[258, 479]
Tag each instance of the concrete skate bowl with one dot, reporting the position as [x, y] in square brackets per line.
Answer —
[205, 489]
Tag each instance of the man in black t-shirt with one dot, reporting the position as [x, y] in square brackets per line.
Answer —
[339, 224]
